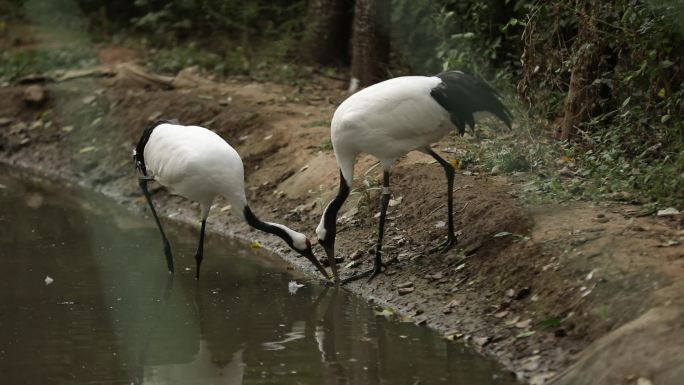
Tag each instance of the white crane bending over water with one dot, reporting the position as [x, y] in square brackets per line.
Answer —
[199, 165]
[391, 118]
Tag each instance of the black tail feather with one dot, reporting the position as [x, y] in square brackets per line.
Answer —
[463, 95]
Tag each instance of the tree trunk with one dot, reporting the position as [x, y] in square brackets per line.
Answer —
[370, 42]
[328, 32]
[582, 93]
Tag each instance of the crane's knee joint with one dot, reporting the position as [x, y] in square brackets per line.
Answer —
[385, 190]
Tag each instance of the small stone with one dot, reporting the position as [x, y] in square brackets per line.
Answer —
[395, 202]
[602, 220]
[502, 314]
[524, 324]
[453, 303]
[634, 227]
[358, 254]
[405, 284]
[405, 290]
[353, 264]
[512, 322]
[481, 341]
[566, 172]
[531, 366]
[5, 121]
[542, 378]
[34, 95]
[668, 212]
[436, 276]
[88, 99]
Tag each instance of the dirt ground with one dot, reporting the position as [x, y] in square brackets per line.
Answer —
[567, 293]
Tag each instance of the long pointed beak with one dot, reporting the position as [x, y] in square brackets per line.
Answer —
[330, 251]
[310, 256]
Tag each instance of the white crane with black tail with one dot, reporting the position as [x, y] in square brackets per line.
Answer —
[199, 165]
[391, 118]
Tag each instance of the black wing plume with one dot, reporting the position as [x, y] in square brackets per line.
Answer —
[462, 95]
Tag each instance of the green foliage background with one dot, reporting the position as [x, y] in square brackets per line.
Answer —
[634, 141]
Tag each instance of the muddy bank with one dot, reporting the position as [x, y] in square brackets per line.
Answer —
[582, 286]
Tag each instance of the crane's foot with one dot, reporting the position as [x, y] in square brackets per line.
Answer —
[372, 273]
[450, 242]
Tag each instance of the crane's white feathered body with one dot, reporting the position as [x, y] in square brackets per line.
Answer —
[400, 115]
[388, 120]
[196, 163]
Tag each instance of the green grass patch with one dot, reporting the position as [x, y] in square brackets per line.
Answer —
[326, 144]
[17, 64]
[317, 123]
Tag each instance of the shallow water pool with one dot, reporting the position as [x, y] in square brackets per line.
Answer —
[111, 314]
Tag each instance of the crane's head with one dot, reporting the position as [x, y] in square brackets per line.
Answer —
[302, 245]
[296, 240]
[326, 233]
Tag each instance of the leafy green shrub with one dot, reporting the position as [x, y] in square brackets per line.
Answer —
[633, 140]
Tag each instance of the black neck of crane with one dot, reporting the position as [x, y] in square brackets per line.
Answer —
[258, 224]
[330, 220]
[139, 158]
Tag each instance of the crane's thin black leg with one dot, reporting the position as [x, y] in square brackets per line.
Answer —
[450, 172]
[377, 263]
[200, 249]
[142, 181]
